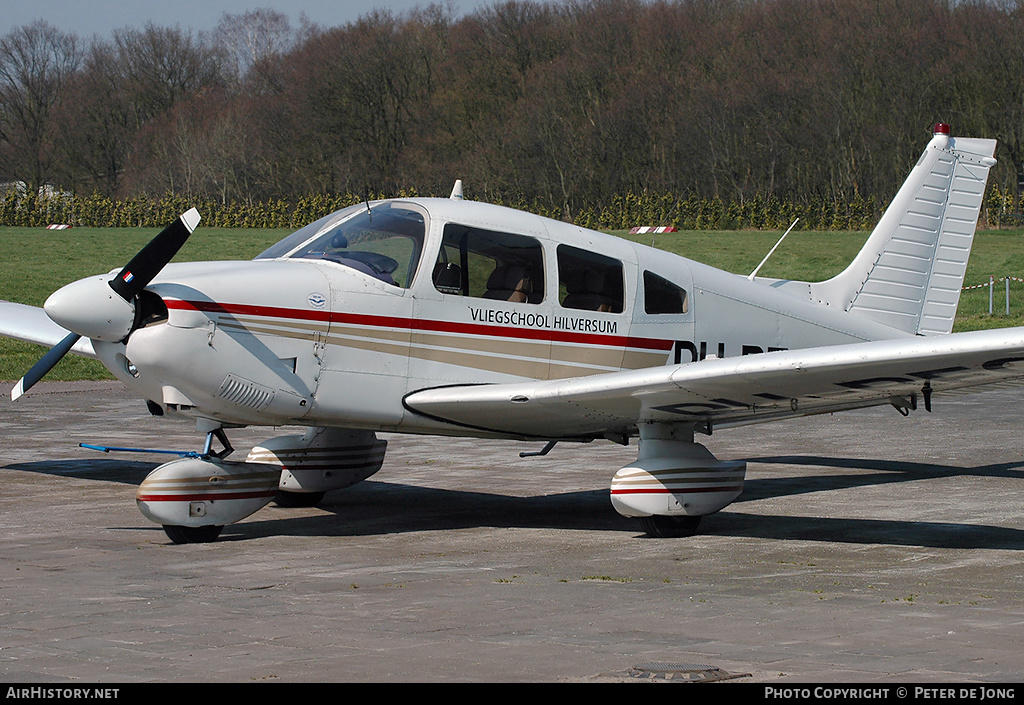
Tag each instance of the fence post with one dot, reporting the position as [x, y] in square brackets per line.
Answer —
[1007, 295]
[991, 283]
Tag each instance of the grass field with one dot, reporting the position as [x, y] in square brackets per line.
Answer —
[34, 262]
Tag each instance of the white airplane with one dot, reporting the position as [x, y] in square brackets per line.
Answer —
[451, 317]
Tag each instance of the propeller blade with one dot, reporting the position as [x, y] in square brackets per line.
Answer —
[140, 271]
[45, 364]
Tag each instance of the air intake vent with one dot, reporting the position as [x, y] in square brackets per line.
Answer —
[242, 392]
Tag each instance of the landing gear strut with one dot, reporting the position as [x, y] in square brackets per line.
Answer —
[225, 444]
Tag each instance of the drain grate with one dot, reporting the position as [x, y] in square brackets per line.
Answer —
[688, 672]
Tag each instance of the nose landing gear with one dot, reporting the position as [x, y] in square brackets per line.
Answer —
[194, 497]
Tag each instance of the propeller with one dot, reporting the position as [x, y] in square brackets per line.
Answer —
[103, 308]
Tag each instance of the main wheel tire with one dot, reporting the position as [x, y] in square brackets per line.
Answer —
[291, 500]
[665, 527]
[192, 534]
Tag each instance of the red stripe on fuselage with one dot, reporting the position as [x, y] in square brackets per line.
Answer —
[366, 319]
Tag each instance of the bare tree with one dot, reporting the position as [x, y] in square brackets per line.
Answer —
[253, 37]
[161, 65]
[97, 123]
[36, 63]
[565, 104]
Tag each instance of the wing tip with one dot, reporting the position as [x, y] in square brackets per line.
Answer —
[18, 390]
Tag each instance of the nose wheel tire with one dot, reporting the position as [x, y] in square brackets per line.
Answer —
[192, 534]
[664, 527]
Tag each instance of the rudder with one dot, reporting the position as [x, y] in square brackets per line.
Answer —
[910, 271]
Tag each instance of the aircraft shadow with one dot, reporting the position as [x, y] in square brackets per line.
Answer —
[390, 509]
[374, 508]
[892, 532]
[889, 471]
[377, 508]
[106, 468]
[924, 534]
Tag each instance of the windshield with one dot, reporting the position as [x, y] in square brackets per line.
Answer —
[384, 241]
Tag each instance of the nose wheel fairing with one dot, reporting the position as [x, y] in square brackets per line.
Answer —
[206, 491]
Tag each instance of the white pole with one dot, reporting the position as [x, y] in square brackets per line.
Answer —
[1007, 280]
[991, 283]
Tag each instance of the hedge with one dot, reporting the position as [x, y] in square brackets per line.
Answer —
[620, 213]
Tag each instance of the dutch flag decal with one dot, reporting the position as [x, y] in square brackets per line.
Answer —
[128, 276]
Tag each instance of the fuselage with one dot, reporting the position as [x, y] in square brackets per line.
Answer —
[336, 324]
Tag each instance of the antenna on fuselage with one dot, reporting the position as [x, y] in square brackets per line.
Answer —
[457, 191]
[758, 267]
[366, 200]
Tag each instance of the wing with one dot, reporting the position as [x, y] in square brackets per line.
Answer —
[733, 391]
[31, 324]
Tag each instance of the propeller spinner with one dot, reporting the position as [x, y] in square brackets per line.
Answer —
[103, 308]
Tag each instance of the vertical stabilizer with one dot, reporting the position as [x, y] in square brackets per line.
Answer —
[911, 269]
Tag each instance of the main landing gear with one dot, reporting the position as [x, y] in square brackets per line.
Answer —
[674, 482]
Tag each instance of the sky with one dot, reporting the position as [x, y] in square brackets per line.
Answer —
[89, 17]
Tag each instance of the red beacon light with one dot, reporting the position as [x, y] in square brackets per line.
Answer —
[941, 128]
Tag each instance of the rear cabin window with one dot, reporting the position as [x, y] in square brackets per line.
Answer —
[489, 265]
[589, 281]
[662, 296]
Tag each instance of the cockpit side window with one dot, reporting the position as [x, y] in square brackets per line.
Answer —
[589, 281]
[662, 296]
[384, 242]
[489, 265]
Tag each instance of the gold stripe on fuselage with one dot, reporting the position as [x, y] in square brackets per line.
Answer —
[541, 359]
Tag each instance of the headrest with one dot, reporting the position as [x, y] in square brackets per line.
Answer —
[510, 278]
